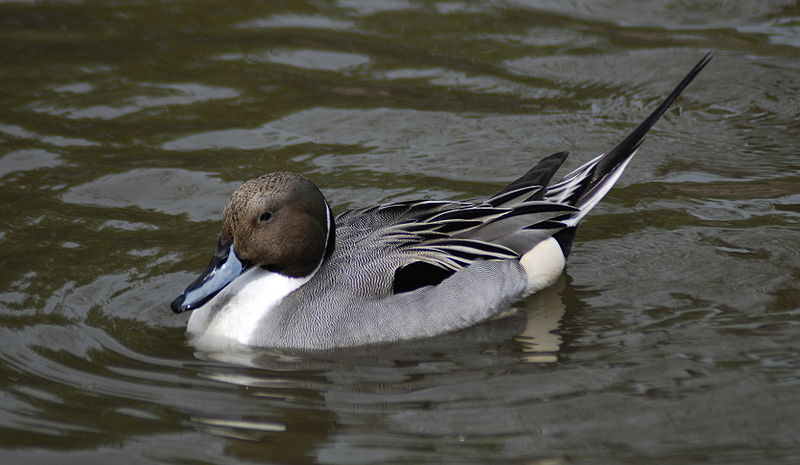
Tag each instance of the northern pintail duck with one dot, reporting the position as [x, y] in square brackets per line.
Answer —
[286, 273]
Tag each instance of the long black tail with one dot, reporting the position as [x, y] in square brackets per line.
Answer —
[585, 186]
[588, 184]
[628, 145]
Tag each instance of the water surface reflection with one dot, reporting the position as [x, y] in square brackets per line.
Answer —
[387, 385]
[671, 339]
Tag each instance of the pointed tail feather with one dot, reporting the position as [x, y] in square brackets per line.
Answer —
[585, 186]
[628, 145]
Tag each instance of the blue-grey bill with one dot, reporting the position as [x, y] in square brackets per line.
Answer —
[225, 266]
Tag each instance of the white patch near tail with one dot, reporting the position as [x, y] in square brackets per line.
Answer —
[543, 264]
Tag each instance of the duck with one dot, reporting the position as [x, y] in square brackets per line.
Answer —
[287, 273]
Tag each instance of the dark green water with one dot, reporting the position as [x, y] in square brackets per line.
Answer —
[672, 338]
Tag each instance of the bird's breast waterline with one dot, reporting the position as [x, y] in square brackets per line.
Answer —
[234, 314]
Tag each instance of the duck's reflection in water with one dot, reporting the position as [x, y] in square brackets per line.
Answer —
[404, 390]
[539, 340]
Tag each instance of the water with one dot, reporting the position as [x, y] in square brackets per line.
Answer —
[671, 339]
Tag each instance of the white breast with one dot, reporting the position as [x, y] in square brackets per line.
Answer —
[245, 302]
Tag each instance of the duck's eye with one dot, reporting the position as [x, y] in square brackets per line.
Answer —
[266, 216]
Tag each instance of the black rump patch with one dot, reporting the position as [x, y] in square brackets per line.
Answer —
[418, 274]
[565, 237]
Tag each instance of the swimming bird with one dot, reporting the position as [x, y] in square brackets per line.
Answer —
[287, 273]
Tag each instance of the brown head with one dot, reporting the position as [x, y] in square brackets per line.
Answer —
[279, 221]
